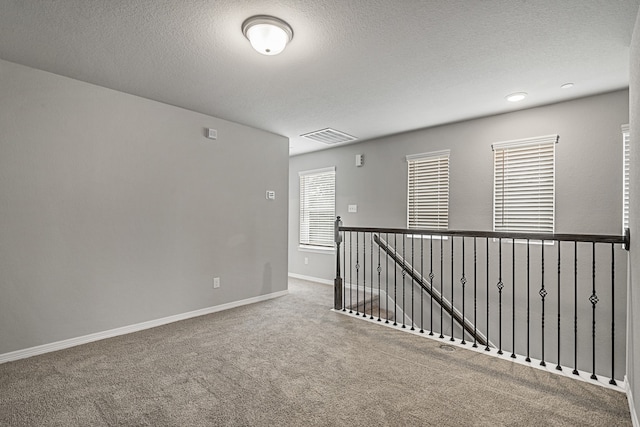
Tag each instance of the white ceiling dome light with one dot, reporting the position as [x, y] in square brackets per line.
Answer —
[268, 35]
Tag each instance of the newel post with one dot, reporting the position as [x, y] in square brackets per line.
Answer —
[627, 239]
[337, 283]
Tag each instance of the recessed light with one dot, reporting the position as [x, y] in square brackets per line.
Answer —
[515, 97]
[566, 86]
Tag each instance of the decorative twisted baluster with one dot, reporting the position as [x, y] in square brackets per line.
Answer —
[463, 281]
[543, 294]
[593, 299]
[357, 273]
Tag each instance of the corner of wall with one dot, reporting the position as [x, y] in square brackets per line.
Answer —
[633, 345]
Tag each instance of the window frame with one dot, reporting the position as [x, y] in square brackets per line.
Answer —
[441, 191]
[526, 150]
[305, 240]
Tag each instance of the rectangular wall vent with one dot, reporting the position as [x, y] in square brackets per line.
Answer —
[329, 136]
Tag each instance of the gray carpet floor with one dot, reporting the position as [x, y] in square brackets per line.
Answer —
[290, 362]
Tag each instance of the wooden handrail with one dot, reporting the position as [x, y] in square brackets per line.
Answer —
[408, 268]
[548, 237]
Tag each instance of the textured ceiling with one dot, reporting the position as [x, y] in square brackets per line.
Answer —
[365, 67]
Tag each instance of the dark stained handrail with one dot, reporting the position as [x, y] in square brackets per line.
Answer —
[590, 238]
[464, 323]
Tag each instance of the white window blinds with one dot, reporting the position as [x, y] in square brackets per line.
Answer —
[524, 185]
[428, 191]
[625, 177]
[317, 207]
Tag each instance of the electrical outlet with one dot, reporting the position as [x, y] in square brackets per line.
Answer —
[306, 260]
[216, 282]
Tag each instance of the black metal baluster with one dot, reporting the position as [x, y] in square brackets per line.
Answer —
[475, 293]
[528, 359]
[357, 273]
[575, 308]
[371, 304]
[500, 285]
[421, 292]
[395, 282]
[441, 293]
[379, 271]
[364, 274]
[386, 272]
[463, 281]
[404, 273]
[487, 348]
[543, 294]
[452, 306]
[558, 367]
[431, 276]
[612, 381]
[344, 263]
[593, 299]
[513, 298]
[412, 285]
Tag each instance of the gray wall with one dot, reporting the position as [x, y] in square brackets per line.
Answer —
[116, 210]
[588, 174]
[633, 336]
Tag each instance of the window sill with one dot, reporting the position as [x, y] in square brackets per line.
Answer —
[316, 249]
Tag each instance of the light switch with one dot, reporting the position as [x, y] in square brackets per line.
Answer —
[353, 208]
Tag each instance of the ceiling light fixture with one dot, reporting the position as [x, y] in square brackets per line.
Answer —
[267, 34]
[515, 97]
[566, 86]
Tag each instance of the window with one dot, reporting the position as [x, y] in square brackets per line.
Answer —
[317, 207]
[428, 191]
[625, 177]
[524, 185]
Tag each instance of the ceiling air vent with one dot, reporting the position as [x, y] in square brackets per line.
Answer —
[329, 136]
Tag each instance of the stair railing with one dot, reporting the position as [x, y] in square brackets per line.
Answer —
[507, 287]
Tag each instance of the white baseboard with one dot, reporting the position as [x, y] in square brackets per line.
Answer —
[311, 279]
[72, 342]
[632, 407]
